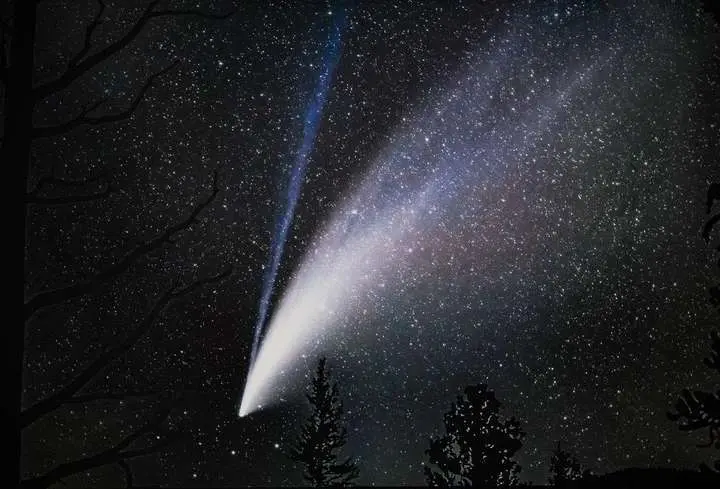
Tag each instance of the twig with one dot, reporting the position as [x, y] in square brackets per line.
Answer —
[84, 119]
[89, 30]
[34, 196]
[110, 456]
[67, 199]
[86, 63]
[58, 296]
[67, 393]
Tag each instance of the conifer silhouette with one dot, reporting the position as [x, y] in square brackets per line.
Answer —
[478, 447]
[565, 469]
[323, 435]
[699, 410]
[696, 410]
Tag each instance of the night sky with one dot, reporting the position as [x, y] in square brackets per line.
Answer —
[490, 193]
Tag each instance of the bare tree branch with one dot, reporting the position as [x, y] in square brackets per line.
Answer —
[84, 119]
[67, 199]
[34, 196]
[128, 473]
[89, 31]
[57, 399]
[67, 393]
[57, 296]
[199, 283]
[61, 182]
[75, 71]
[108, 396]
[112, 455]
[191, 13]
[41, 131]
[151, 426]
[89, 62]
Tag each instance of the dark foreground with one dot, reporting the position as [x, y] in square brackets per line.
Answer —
[630, 478]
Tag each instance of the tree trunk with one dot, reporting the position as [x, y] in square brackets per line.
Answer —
[15, 158]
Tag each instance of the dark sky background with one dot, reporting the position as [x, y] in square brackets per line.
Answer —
[569, 276]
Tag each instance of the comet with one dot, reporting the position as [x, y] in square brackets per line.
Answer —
[313, 117]
[451, 159]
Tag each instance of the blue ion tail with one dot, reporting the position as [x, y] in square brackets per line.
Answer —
[313, 116]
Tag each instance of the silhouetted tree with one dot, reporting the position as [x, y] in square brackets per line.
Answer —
[26, 90]
[698, 410]
[565, 468]
[478, 446]
[323, 435]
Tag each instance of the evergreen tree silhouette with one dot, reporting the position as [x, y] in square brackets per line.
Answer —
[323, 435]
[478, 447]
[565, 469]
[697, 410]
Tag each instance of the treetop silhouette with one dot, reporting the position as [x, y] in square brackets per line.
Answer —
[478, 446]
[323, 435]
[696, 409]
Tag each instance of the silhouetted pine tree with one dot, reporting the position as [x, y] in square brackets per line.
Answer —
[479, 445]
[696, 410]
[323, 435]
[565, 469]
